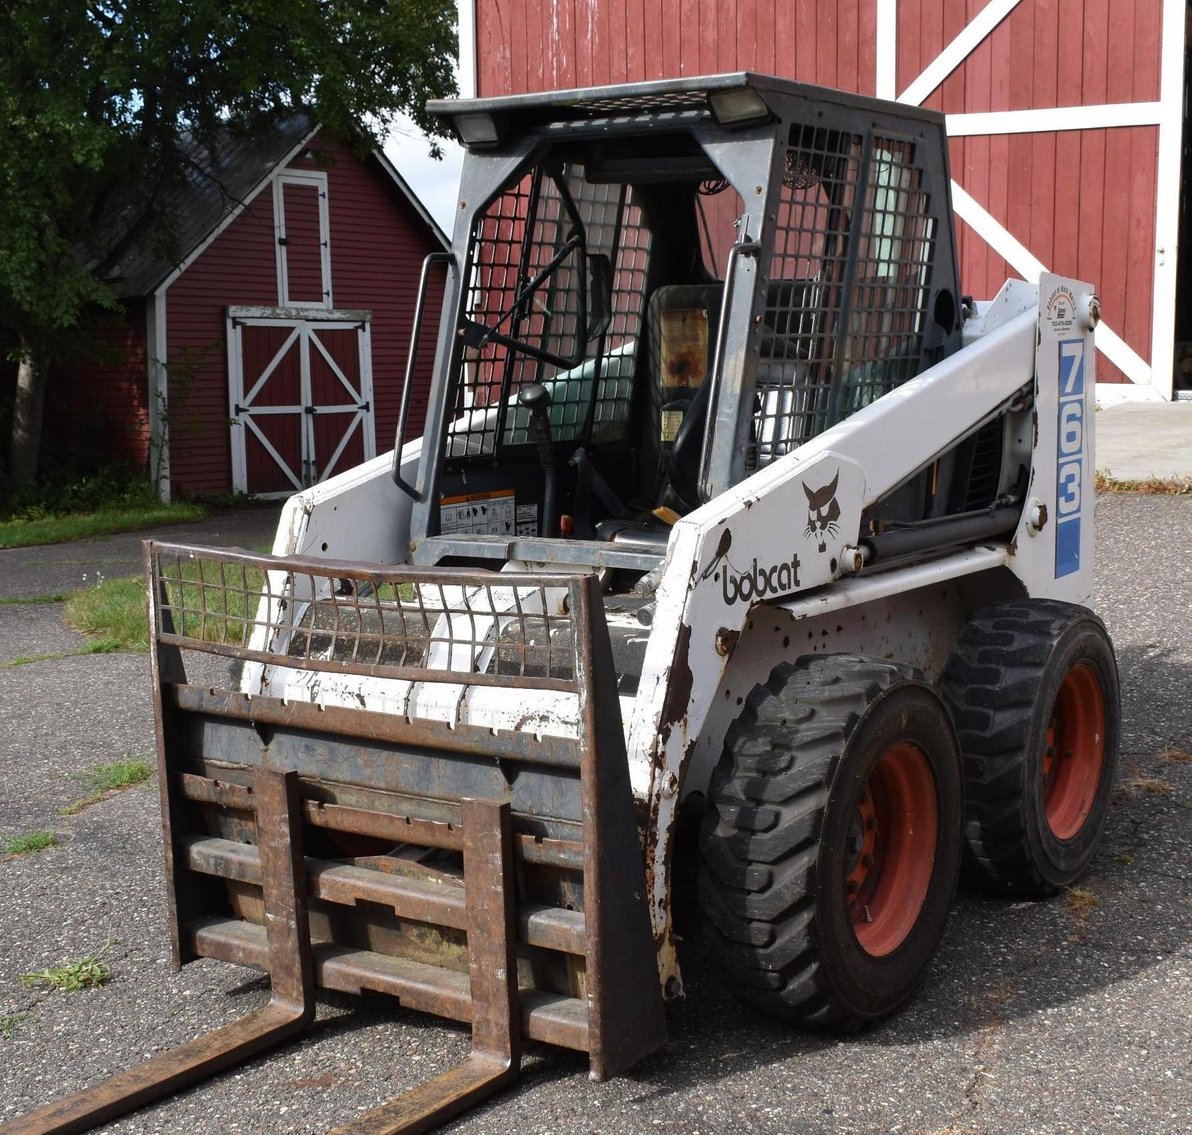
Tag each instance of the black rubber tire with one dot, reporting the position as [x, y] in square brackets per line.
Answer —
[1001, 684]
[774, 842]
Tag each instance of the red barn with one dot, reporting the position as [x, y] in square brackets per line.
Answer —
[1067, 121]
[269, 352]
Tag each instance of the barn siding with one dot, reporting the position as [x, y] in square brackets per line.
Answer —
[97, 408]
[377, 246]
[1082, 202]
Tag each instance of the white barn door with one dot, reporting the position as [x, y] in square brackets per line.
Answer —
[300, 397]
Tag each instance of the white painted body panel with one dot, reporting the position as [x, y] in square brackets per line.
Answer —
[748, 582]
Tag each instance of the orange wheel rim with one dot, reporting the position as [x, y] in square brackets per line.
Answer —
[1075, 753]
[890, 850]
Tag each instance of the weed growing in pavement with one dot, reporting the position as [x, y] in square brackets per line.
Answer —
[106, 780]
[99, 646]
[31, 600]
[9, 1023]
[1081, 902]
[70, 977]
[1173, 755]
[1124, 858]
[118, 774]
[1139, 784]
[112, 611]
[30, 841]
[1156, 486]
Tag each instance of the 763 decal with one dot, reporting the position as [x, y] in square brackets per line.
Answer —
[1071, 455]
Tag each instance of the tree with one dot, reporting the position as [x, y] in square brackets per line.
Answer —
[102, 101]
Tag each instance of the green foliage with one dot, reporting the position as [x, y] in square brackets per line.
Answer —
[118, 774]
[70, 977]
[58, 529]
[10, 1022]
[113, 611]
[102, 103]
[30, 841]
[75, 504]
[80, 490]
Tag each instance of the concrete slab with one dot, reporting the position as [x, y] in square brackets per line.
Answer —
[1138, 440]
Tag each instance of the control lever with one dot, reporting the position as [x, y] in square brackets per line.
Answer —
[536, 399]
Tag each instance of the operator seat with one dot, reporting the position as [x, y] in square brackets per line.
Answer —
[683, 321]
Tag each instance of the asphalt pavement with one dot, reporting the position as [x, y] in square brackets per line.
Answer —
[1045, 1018]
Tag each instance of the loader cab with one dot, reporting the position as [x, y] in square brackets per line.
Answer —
[658, 290]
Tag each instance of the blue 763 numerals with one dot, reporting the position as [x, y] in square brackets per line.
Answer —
[1069, 458]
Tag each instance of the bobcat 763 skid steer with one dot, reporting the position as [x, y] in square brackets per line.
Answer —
[725, 495]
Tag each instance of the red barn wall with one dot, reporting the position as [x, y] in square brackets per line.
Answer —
[97, 408]
[378, 243]
[1082, 201]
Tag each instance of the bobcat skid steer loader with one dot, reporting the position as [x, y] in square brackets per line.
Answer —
[725, 494]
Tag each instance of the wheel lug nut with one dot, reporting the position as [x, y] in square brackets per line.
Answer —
[868, 861]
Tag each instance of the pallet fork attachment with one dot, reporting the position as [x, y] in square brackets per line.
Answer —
[290, 1011]
[477, 871]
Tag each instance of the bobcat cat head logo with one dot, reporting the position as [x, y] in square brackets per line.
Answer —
[823, 510]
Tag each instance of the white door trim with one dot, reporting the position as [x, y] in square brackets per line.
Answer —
[1157, 375]
[1049, 119]
[965, 43]
[317, 180]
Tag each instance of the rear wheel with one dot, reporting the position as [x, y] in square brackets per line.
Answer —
[1033, 688]
[831, 849]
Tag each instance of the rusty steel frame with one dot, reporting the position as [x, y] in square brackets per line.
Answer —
[247, 781]
[291, 1007]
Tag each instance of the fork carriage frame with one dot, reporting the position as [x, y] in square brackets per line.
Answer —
[537, 925]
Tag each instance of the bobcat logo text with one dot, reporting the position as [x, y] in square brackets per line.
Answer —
[760, 582]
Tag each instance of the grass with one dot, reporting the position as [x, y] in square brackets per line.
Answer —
[1173, 755]
[32, 601]
[1081, 902]
[60, 528]
[10, 1022]
[1139, 784]
[1164, 486]
[106, 780]
[30, 841]
[70, 977]
[73, 504]
[99, 646]
[113, 612]
[117, 775]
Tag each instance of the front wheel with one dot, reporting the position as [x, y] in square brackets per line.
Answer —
[831, 849]
[1033, 687]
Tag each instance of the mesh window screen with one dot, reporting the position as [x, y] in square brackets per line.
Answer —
[885, 326]
[849, 284]
[804, 304]
[528, 285]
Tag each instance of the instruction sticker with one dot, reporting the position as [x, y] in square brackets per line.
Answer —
[1070, 457]
[480, 514]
